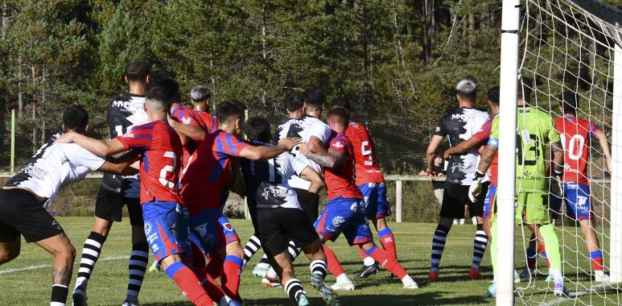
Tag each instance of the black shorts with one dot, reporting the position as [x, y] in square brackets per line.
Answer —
[23, 213]
[310, 203]
[456, 196]
[109, 206]
[277, 226]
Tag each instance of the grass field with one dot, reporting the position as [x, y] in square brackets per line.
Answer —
[26, 280]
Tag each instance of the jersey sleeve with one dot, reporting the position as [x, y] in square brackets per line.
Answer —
[440, 130]
[339, 144]
[138, 138]
[493, 140]
[228, 144]
[553, 135]
[484, 132]
[81, 157]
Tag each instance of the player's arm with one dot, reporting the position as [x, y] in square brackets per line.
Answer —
[463, 147]
[266, 152]
[430, 152]
[100, 147]
[557, 159]
[316, 180]
[123, 168]
[314, 145]
[486, 158]
[195, 133]
[604, 145]
[331, 159]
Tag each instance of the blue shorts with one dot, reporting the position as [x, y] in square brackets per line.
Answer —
[489, 202]
[578, 203]
[376, 204]
[347, 216]
[160, 228]
[203, 230]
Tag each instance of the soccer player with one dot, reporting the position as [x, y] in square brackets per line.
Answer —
[477, 141]
[160, 150]
[25, 196]
[535, 132]
[205, 183]
[303, 122]
[370, 181]
[124, 112]
[279, 217]
[576, 134]
[458, 125]
[345, 210]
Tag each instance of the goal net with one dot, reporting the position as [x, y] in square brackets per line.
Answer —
[567, 55]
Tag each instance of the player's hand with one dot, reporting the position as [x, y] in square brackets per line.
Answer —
[288, 143]
[475, 190]
[172, 121]
[65, 138]
[447, 154]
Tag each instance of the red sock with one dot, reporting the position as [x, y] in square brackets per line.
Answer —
[189, 284]
[232, 270]
[334, 267]
[390, 264]
[387, 240]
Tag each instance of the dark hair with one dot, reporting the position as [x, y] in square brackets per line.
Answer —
[137, 71]
[471, 96]
[228, 109]
[294, 103]
[160, 95]
[493, 95]
[75, 117]
[170, 89]
[340, 113]
[258, 129]
[570, 102]
[315, 97]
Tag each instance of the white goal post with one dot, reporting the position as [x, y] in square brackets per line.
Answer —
[586, 33]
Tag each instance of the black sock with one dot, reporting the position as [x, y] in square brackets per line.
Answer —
[137, 267]
[293, 250]
[90, 253]
[59, 295]
[318, 267]
[252, 246]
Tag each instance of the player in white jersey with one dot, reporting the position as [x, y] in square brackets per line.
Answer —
[125, 111]
[458, 125]
[279, 215]
[303, 122]
[26, 195]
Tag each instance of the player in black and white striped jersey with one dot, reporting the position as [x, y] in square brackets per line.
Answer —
[278, 216]
[26, 195]
[124, 112]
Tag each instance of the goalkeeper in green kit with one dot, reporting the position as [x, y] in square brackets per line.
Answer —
[535, 133]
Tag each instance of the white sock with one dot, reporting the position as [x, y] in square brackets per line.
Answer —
[368, 261]
[343, 278]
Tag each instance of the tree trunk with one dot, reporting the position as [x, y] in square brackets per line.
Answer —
[43, 98]
[264, 55]
[33, 71]
[20, 94]
[5, 19]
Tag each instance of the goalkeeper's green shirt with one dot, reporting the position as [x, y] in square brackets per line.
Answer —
[535, 133]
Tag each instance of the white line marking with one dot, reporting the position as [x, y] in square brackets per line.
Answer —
[576, 294]
[36, 267]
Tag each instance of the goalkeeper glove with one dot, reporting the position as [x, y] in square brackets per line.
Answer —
[476, 187]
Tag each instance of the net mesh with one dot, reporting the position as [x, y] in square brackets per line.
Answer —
[564, 47]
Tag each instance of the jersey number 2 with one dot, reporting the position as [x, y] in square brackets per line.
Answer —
[168, 169]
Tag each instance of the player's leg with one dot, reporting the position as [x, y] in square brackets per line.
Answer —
[292, 286]
[328, 226]
[383, 210]
[108, 207]
[253, 245]
[10, 243]
[63, 253]
[480, 239]
[451, 209]
[369, 194]
[580, 208]
[140, 253]
[359, 233]
[160, 218]
[232, 266]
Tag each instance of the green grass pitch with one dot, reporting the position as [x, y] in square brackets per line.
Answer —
[109, 281]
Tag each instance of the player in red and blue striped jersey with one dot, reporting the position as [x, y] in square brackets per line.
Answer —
[576, 134]
[205, 183]
[345, 210]
[370, 181]
[160, 149]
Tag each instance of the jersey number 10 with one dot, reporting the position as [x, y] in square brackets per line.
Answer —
[574, 147]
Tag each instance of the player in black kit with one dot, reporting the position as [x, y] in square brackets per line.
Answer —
[124, 112]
